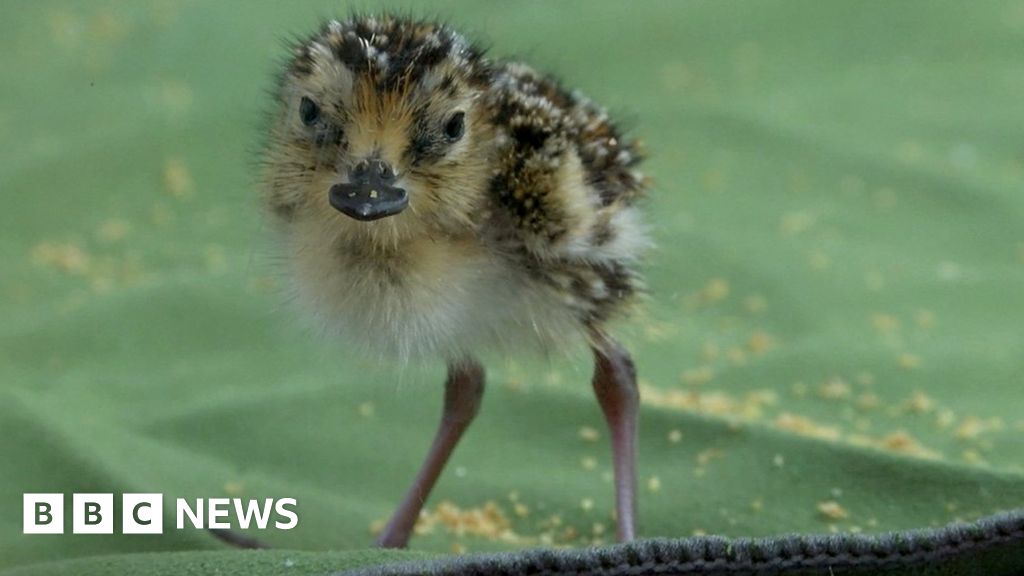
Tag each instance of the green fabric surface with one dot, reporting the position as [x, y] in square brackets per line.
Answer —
[833, 340]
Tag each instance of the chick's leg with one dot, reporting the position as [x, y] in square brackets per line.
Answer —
[615, 387]
[462, 394]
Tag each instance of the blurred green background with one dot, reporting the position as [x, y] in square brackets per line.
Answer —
[833, 342]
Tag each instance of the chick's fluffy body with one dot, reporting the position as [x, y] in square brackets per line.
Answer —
[522, 231]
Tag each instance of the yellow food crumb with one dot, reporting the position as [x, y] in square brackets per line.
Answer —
[945, 418]
[707, 455]
[973, 456]
[819, 260]
[487, 521]
[675, 436]
[66, 257]
[654, 484]
[709, 351]
[755, 303]
[867, 400]
[904, 443]
[832, 510]
[749, 406]
[716, 290]
[885, 323]
[698, 376]
[736, 355]
[793, 223]
[366, 409]
[760, 342]
[588, 463]
[587, 504]
[778, 461]
[924, 318]
[909, 361]
[521, 510]
[112, 230]
[919, 403]
[177, 179]
[757, 505]
[972, 427]
[233, 488]
[589, 434]
[865, 378]
[834, 389]
[806, 427]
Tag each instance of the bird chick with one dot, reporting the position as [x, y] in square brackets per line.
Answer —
[432, 203]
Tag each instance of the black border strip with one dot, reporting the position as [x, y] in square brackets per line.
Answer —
[992, 546]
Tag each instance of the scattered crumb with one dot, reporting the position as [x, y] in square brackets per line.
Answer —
[945, 418]
[234, 488]
[177, 179]
[760, 342]
[736, 355]
[716, 290]
[654, 484]
[867, 401]
[885, 323]
[806, 427]
[587, 504]
[112, 230]
[698, 376]
[757, 505]
[589, 434]
[793, 223]
[919, 403]
[904, 443]
[675, 436]
[834, 389]
[521, 510]
[588, 463]
[819, 260]
[924, 318]
[755, 303]
[709, 351]
[973, 427]
[973, 456]
[909, 361]
[865, 378]
[65, 257]
[699, 532]
[487, 521]
[832, 510]
[366, 409]
[706, 456]
[778, 461]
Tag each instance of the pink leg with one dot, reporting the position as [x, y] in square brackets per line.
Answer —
[462, 394]
[616, 390]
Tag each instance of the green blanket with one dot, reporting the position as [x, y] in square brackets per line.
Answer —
[833, 341]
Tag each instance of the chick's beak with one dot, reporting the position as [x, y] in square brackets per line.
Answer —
[370, 193]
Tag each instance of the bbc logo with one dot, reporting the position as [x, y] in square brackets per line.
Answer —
[144, 513]
[92, 514]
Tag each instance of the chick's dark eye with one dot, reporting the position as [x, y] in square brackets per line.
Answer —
[456, 126]
[309, 112]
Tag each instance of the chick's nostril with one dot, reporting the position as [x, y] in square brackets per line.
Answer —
[360, 171]
[382, 170]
